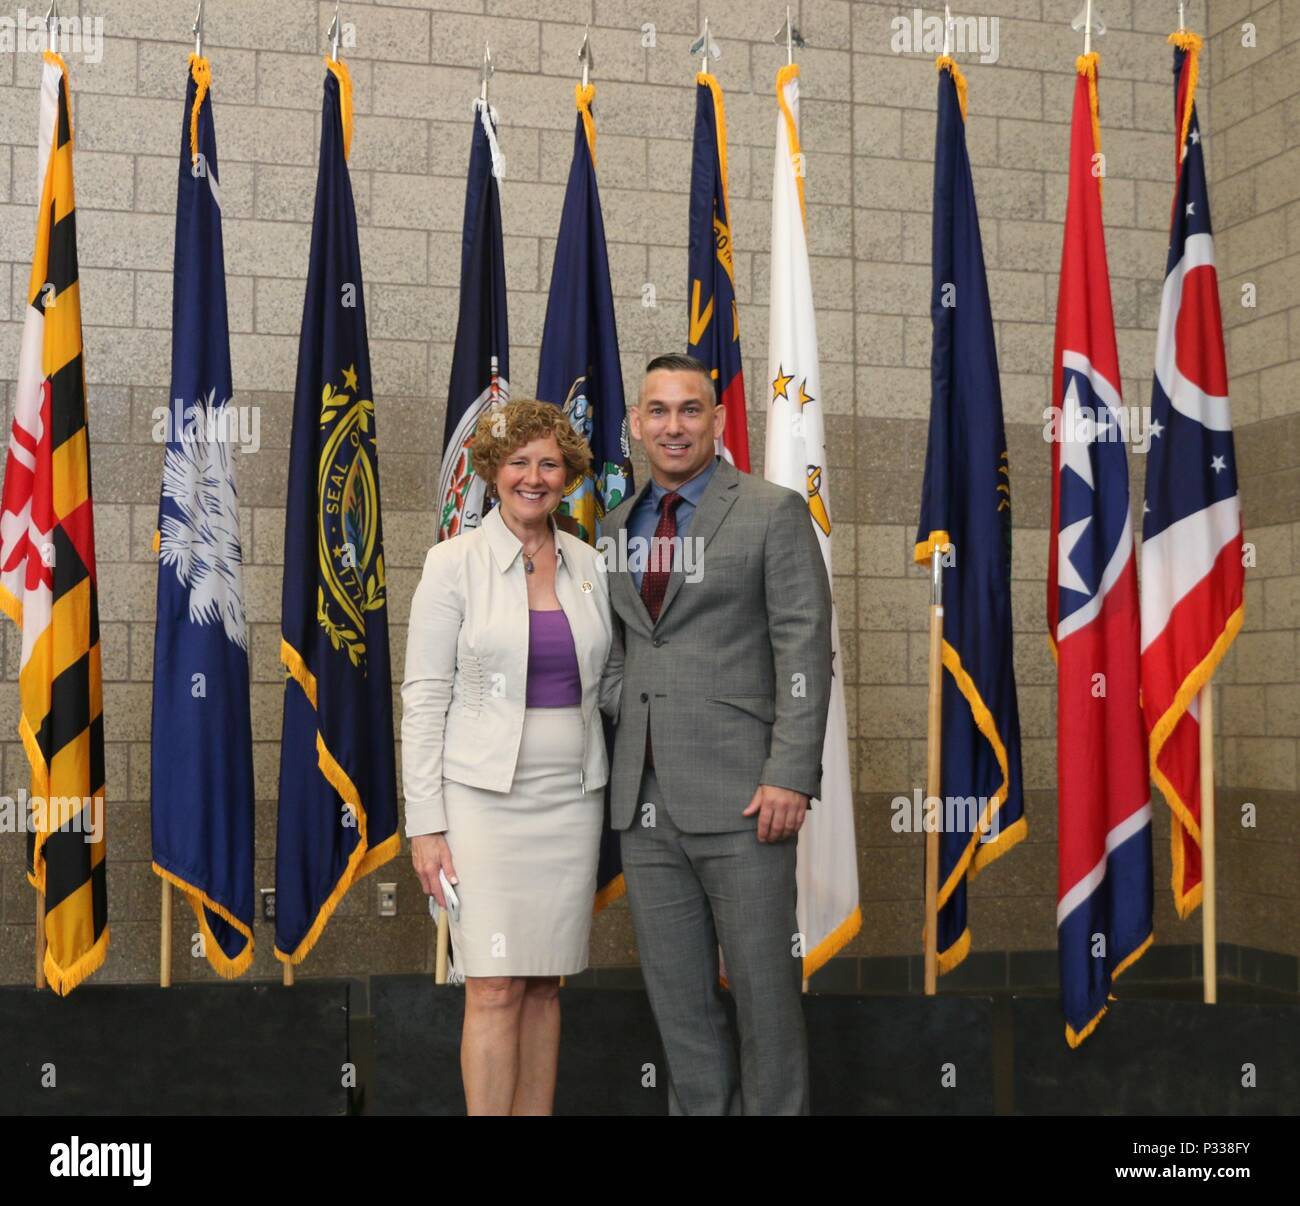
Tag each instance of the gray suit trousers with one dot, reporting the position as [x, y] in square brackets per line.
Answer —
[690, 893]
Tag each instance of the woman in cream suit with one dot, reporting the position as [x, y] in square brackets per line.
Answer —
[503, 754]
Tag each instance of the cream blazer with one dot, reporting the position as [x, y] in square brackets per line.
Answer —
[463, 696]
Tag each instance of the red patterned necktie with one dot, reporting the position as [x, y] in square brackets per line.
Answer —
[654, 582]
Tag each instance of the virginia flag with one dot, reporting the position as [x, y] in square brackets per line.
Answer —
[714, 335]
[48, 585]
[202, 757]
[480, 366]
[338, 774]
[1192, 573]
[580, 371]
[966, 514]
[1103, 912]
[795, 457]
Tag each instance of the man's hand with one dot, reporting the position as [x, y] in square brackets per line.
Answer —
[780, 812]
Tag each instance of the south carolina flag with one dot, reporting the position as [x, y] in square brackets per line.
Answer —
[829, 913]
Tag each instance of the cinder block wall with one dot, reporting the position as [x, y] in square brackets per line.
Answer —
[1255, 189]
[868, 129]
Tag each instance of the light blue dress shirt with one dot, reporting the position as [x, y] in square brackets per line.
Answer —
[645, 517]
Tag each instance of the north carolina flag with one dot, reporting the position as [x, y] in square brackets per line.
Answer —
[828, 909]
[338, 771]
[714, 337]
[48, 585]
[480, 363]
[580, 372]
[202, 801]
[1103, 912]
[966, 514]
[1192, 573]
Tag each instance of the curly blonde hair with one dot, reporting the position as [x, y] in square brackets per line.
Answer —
[503, 430]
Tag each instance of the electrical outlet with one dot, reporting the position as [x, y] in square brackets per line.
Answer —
[268, 904]
[387, 900]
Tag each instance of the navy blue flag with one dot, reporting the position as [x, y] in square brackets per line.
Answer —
[202, 742]
[480, 366]
[338, 774]
[966, 514]
[580, 371]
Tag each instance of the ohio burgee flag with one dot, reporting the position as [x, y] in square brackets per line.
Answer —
[795, 457]
[1193, 579]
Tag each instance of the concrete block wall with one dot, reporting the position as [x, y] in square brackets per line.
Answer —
[868, 130]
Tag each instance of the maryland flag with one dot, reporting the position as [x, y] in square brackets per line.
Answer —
[714, 335]
[966, 515]
[338, 775]
[828, 911]
[47, 574]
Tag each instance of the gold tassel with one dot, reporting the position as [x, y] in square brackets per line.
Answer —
[584, 95]
[201, 72]
[947, 63]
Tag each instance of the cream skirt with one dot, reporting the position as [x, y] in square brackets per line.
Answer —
[526, 858]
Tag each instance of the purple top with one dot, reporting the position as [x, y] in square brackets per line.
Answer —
[553, 680]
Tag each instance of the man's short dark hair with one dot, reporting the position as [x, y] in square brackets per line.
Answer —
[680, 362]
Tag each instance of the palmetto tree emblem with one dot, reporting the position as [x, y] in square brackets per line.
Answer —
[199, 539]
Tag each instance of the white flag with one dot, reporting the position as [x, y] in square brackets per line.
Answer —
[829, 913]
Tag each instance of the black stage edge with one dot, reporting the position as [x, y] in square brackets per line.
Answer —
[220, 1049]
[868, 1055]
[1159, 1058]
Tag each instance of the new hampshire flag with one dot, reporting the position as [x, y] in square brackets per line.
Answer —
[338, 772]
[828, 911]
[202, 757]
[966, 514]
[580, 371]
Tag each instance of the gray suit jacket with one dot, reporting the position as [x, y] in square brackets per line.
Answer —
[734, 679]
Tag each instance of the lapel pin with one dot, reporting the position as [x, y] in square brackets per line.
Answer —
[586, 588]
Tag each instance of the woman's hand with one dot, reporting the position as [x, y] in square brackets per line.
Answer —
[429, 854]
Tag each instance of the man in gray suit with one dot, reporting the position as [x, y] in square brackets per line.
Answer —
[725, 661]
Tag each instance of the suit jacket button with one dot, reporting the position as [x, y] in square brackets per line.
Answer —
[658, 642]
[644, 697]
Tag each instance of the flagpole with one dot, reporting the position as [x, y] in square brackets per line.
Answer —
[934, 757]
[165, 938]
[1209, 949]
[40, 939]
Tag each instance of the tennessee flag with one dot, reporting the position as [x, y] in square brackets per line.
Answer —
[47, 574]
[1192, 574]
[1103, 912]
[966, 513]
[714, 335]
[338, 771]
[795, 457]
[202, 804]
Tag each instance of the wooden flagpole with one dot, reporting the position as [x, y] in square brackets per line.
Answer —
[440, 954]
[1209, 920]
[933, 808]
[165, 938]
[40, 939]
